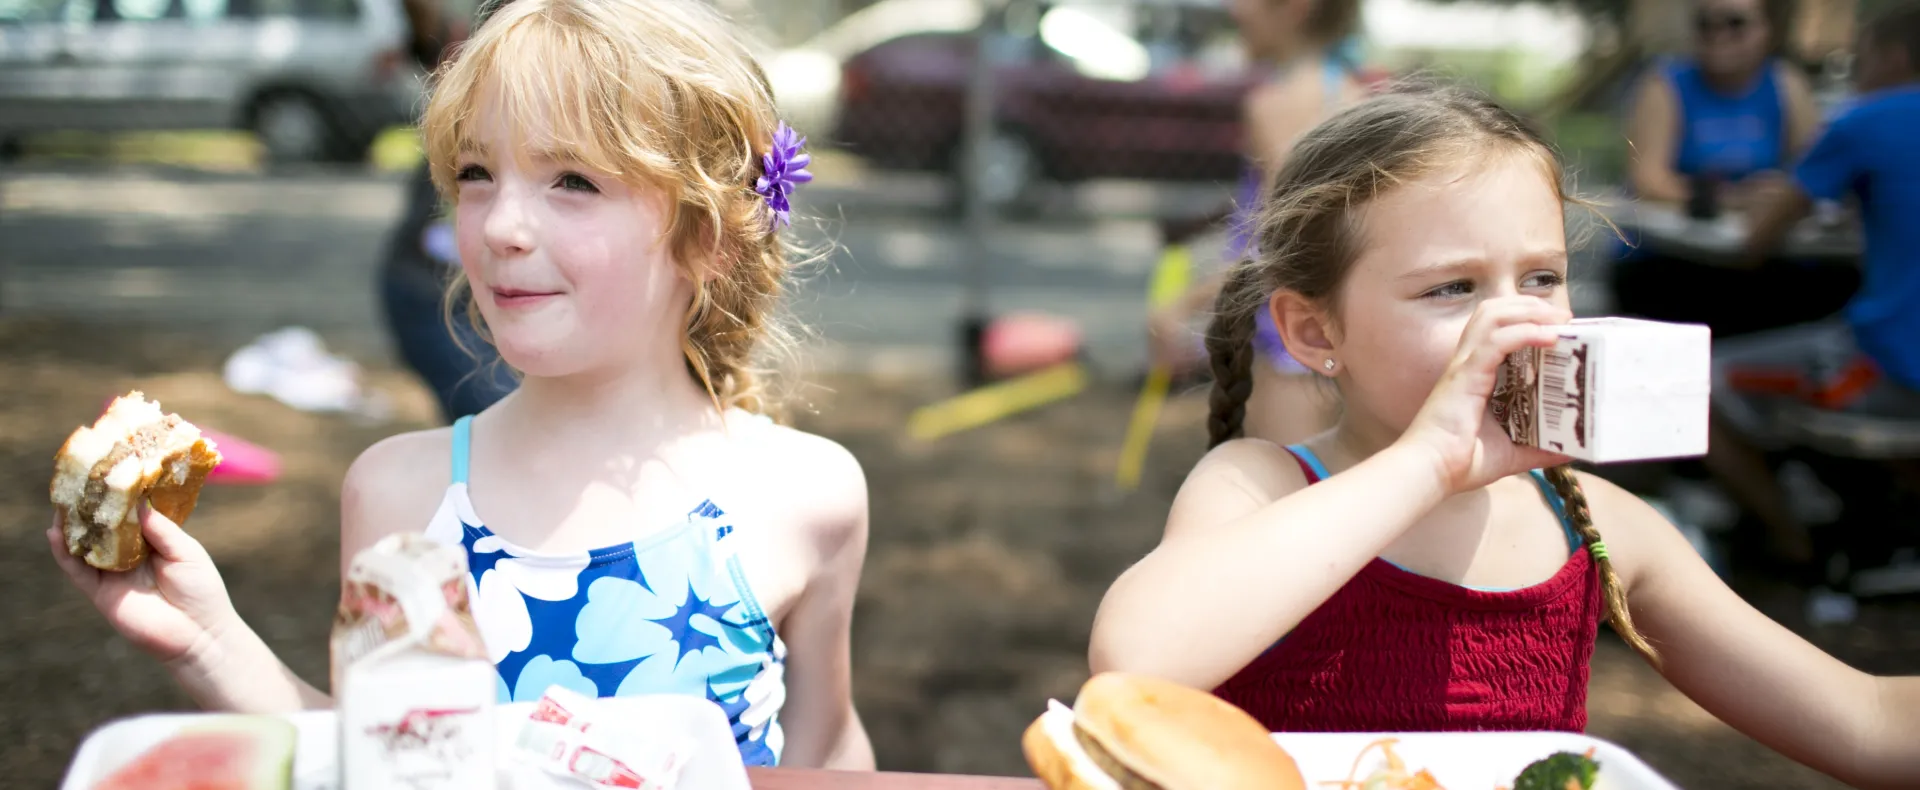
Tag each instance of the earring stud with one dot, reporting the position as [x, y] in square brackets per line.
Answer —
[1328, 364]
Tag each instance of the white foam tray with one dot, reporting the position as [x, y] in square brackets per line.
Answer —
[1471, 760]
[715, 764]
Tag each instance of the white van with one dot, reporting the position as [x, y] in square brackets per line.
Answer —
[316, 80]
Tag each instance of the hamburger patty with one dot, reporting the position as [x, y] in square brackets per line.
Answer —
[1120, 773]
[147, 440]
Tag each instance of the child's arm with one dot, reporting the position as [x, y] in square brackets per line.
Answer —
[822, 728]
[1748, 670]
[1248, 553]
[175, 608]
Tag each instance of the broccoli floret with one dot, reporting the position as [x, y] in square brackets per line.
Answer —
[1562, 771]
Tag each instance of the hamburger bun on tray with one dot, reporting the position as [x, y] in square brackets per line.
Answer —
[132, 452]
[1132, 732]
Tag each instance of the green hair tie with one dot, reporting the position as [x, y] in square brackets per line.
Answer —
[1599, 549]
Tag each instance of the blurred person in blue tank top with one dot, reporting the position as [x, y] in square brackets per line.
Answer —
[1730, 119]
[1866, 360]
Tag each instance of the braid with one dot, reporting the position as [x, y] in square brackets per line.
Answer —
[1230, 351]
[1581, 517]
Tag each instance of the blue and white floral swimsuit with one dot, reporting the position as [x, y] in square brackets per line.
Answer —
[670, 614]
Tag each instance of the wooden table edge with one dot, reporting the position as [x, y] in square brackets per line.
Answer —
[812, 779]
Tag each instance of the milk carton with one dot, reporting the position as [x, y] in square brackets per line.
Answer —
[1611, 390]
[411, 678]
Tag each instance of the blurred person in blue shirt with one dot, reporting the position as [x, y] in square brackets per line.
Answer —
[1867, 359]
[1725, 121]
[1732, 113]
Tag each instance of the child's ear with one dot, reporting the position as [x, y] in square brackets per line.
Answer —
[703, 260]
[1305, 328]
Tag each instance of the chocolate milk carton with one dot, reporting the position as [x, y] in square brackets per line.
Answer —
[1611, 390]
[411, 679]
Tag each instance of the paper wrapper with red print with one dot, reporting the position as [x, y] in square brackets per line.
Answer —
[410, 673]
[572, 737]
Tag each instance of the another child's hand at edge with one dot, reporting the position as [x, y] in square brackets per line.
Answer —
[174, 606]
[1470, 449]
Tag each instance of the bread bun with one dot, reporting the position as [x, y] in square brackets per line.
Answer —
[134, 451]
[1132, 732]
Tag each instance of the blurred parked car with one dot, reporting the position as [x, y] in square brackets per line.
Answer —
[1075, 99]
[806, 77]
[316, 80]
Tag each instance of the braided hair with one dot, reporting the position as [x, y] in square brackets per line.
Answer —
[1307, 240]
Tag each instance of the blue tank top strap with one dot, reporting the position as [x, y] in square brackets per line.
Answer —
[1312, 461]
[1559, 509]
[462, 441]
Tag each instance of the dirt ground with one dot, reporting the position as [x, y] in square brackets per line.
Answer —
[989, 552]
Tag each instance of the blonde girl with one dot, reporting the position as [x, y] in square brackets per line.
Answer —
[632, 523]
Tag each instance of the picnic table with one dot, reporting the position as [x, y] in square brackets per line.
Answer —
[806, 779]
[1667, 229]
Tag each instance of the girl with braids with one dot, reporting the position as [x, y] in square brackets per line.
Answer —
[632, 523]
[1409, 569]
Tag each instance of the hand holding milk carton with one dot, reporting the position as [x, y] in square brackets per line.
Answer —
[1611, 390]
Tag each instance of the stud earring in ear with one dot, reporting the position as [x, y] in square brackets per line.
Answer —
[1329, 364]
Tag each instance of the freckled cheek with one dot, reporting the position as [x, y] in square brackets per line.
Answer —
[469, 239]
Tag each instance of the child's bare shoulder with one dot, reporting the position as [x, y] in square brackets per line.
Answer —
[814, 479]
[1232, 480]
[395, 484]
[1263, 470]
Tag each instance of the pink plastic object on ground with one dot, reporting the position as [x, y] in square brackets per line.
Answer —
[1018, 344]
[242, 462]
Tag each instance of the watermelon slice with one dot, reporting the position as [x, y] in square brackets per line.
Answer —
[231, 752]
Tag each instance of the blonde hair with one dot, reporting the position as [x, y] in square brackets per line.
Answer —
[664, 95]
[1308, 239]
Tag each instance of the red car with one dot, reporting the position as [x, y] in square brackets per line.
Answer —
[903, 106]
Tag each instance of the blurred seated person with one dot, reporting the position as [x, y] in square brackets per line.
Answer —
[1867, 360]
[1309, 52]
[1728, 119]
[463, 370]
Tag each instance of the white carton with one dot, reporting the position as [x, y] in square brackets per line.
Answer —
[412, 681]
[1611, 390]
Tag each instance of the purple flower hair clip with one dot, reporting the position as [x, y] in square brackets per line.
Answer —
[784, 169]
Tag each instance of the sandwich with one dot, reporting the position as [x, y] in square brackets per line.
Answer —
[1130, 732]
[132, 452]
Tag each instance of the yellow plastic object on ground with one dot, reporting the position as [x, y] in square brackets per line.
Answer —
[998, 401]
[1170, 279]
